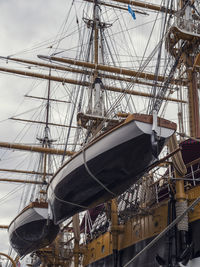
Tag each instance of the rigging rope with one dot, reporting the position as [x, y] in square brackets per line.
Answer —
[153, 90]
[94, 177]
[159, 98]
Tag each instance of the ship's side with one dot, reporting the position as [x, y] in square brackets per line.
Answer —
[32, 229]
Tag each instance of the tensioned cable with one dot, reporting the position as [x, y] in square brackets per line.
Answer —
[117, 101]
[153, 90]
[123, 93]
[72, 116]
[65, 22]
[94, 177]
[159, 98]
[158, 237]
[12, 192]
[67, 202]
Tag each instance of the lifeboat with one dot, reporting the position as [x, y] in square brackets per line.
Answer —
[107, 166]
[31, 229]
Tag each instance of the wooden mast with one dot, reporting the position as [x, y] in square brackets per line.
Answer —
[183, 35]
[193, 98]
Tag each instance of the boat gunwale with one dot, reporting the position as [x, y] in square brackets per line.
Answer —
[130, 118]
[30, 206]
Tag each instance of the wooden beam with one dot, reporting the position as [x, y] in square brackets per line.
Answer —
[117, 7]
[145, 5]
[35, 149]
[4, 226]
[77, 82]
[25, 172]
[82, 71]
[112, 69]
[43, 76]
[41, 64]
[42, 122]
[20, 181]
[51, 99]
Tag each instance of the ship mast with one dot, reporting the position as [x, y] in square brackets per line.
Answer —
[46, 141]
[194, 123]
[185, 31]
[95, 97]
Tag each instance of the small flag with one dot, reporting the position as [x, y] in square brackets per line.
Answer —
[131, 11]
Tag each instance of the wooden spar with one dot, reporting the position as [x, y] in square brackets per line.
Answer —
[193, 99]
[145, 5]
[41, 64]
[8, 257]
[137, 93]
[76, 82]
[115, 6]
[20, 181]
[3, 226]
[96, 38]
[42, 122]
[43, 98]
[43, 76]
[35, 149]
[108, 76]
[112, 69]
[114, 229]
[25, 172]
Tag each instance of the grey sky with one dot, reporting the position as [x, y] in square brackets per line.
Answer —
[22, 24]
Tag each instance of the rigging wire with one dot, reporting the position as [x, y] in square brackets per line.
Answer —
[93, 176]
[153, 90]
[11, 193]
[164, 232]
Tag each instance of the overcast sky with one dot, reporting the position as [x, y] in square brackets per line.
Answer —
[22, 24]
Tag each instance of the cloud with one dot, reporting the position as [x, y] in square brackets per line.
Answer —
[23, 25]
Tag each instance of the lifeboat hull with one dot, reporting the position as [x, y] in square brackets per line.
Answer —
[117, 160]
[31, 230]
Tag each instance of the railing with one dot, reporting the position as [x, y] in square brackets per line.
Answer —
[192, 179]
[188, 25]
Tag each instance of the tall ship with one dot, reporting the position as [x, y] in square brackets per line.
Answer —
[107, 151]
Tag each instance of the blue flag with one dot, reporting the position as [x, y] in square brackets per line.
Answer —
[131, 11]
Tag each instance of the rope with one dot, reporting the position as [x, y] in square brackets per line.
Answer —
[183, 224]
[94, 177]
[187, 136]
[170, 226]
[68, 202]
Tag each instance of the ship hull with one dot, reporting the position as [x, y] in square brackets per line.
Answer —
[32, 230]
[117, 160]
[148, 258]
